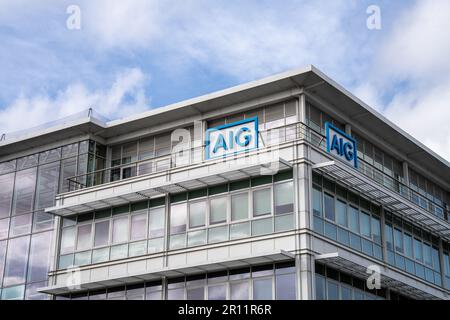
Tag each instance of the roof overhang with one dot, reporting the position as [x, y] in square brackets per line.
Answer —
[358, 267]
[157, 274]
[389, 199]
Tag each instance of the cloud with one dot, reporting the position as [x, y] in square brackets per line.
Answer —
[126, 95]
[410, 78]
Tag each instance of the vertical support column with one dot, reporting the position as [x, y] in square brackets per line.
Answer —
[383, 237]
[441, 263]
[305, 258]
[301, 112]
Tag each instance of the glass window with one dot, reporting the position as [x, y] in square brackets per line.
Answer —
[285, 286]
[239, 290]
[196, 293]
[217, 292]
[100, 255]
[24, 191]
[13, 293]
[418, 249]
[120, 230]
[6, 193]
[84, 237]
[398, 240]
[68, 240]
[197, 214]
[408, 245]
[389, 237]
[40, 255]
[21, 224]
[262, 289]
[365, 224]
[157, 221]
[284, 197]
[427, 254]
[4, 228]
[16, 261]
[262, 203]
[332, 290]
[317, 202]
[42, 221]
[162, 145]
[376, 229]
[138, 226]
[262, 226]
[129, 152]
[47, 185]
[239, 206]
[68, 170]
[146, 148]
[320, 288]
[354, 219]
[178, 218]
[2, 257]
[329, 207]
[341, 211]
[218, 210]
[101, 233]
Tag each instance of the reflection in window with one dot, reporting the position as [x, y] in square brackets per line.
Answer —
[6, 192]
[284, 197]
[262, 289]
[197, 214]
[178, 218]
[157, 221]
[262, 203]
[24, 191]
[40, 255]
[239, 206]
[16, 261]
[101, 233]
[329, 207]
[120, 230]
[218, 210]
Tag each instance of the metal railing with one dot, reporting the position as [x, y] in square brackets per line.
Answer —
[270, 137]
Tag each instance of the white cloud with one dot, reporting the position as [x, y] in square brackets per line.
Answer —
[411, 68]
[125, 96]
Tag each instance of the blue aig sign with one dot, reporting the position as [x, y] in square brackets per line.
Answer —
[232, 138]
[341, 145]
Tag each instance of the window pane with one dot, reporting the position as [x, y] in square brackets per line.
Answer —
[155, 245]
[239, 290]
[262, 203]
[354, 219]
[157, 221]
[42, 221]
[146, 148]
[101, 233]
[218, 234]
[262, 289]
[389, 237]
[262, 226]
[137, 248]
[418, 249]
[240, 230]
[47, 185]
[341, 211]
[119, 252]
[100, 255]
[239, 206]
[398, 240]
[2, 256]
[217, 292]
[427, 254]
[329, 207]
[196, 293]
[16, 261]
[365, 224]
[408, 245]
[120, 230]
[197, 214]
[6, 193]
[40, 256]
[177, 241]
[284, 197]
[196, 238]
[138, 226]
[333, 293]
[376, 230]
[84, 237]
[178, 218]
[218, 211]
[68, 240]
[320, 288]
[285, 286]
[24, 191]
[317, 202]
[21, 224]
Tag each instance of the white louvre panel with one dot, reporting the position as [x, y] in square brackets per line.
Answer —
[160, 184]
[389, 199]
[270, 257]
[350, 264]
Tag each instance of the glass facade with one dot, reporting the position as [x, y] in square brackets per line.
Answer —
[261, 282]
[332, 284]
[27, 186]
[210, 215]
